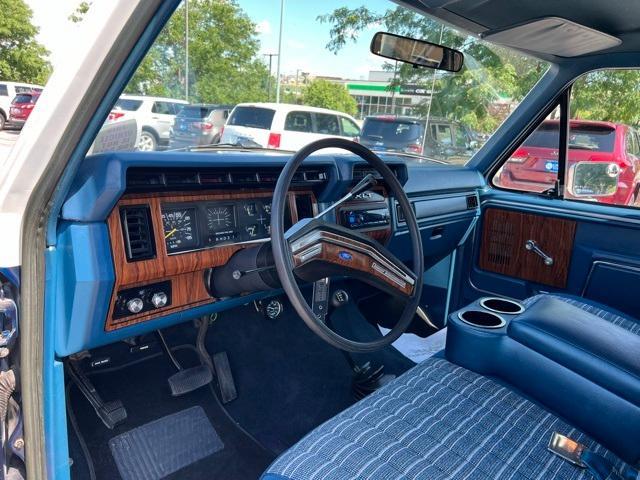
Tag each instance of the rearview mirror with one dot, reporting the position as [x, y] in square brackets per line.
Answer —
[416, 52]
[593, 179]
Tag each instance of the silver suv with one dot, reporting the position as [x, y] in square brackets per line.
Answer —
[155, 117]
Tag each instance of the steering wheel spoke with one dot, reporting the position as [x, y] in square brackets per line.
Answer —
[320, 299]
[321, 249]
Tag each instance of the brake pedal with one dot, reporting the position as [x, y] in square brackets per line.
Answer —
[227, 386]
[189, 379]
[185, 380]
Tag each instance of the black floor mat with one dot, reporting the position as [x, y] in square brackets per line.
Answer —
[161, 447]
[144, 391]
[289, 381]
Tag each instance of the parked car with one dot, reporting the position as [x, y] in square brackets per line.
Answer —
[534, 166]
[21, 107]
[8, 92]
[154, 114]
[445, 140]
[198, 124]
[284, 126]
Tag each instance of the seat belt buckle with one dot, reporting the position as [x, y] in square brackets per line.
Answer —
[567, 448]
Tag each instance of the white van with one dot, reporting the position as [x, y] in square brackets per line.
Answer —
[8, 91]
[284, 126]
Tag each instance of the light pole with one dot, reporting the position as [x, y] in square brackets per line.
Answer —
[186, 49]
[279, 51]
[270, 55]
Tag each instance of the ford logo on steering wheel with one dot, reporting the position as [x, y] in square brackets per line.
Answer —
[346, 256]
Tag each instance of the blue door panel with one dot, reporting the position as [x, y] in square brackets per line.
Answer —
[605, 262]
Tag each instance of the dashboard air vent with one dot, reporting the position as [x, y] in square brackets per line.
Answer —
[179, 178]
[138, 235]
[472, 202]
[155, 179]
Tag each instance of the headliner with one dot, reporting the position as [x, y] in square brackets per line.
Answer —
[619, 18]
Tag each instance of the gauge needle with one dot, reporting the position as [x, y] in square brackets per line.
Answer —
[168, 234]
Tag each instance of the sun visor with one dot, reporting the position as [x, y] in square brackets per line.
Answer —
[553, 36]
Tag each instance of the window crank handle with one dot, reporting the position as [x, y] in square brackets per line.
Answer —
[532, 246]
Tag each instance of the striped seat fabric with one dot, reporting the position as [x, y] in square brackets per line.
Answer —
[437, 421]
[597, 309]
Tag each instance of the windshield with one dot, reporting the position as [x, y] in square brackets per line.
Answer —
[23, 98]
[252, 117]
[194, 111]
[314, 77]
[128, 104]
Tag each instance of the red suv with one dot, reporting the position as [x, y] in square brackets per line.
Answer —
[21, 107]
[534, 166]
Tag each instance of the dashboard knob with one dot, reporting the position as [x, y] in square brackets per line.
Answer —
[135, 305]
[159, 299]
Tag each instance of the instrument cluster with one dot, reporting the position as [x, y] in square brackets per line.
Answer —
[189, 226]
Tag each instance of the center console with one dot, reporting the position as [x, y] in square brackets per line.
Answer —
[580, 366]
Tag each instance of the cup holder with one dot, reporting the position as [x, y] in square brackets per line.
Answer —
[482, 319]
[502, 305]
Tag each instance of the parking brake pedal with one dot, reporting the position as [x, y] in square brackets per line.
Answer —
[185, 380]
[111, 413]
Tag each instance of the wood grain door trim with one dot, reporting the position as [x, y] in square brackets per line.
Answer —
[502, 248]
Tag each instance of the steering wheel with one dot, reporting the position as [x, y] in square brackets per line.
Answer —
[314, 249]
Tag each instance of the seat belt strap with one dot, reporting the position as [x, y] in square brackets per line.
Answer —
[603, 469]
[578, 454]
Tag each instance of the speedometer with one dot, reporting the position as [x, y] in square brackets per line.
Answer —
[180, 230]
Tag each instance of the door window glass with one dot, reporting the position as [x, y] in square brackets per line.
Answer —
[298, 122]
[441, 134]
[602, 166]
[4, 91]
[349, 128]
[533, 167]
[162, 108]
[461, 138]
[327, 124]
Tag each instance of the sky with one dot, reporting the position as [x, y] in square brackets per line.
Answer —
[303, 44]
[56, 30]
[304, 38]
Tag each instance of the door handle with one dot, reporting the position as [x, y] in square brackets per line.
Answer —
[532, 246]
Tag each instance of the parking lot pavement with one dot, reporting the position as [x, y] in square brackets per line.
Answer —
[7, 139]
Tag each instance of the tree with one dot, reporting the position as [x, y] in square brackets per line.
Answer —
[22, 58]
[325, 94]
[223, 57]
[79, 13]
[464, 96]
[608, 95]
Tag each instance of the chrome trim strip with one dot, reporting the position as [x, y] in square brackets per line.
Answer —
[389, 275]
[314, 251]
[319, 236]
[508, 300]
[247, 242]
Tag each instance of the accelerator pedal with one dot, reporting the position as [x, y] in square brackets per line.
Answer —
[227, 386]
